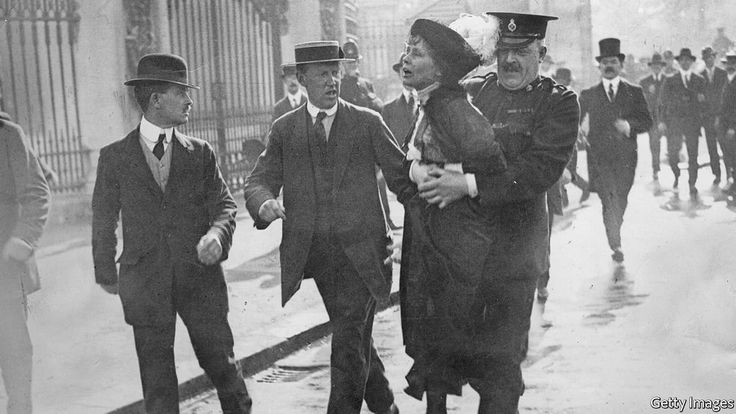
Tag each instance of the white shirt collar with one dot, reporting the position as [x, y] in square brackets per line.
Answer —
[313, 110]
[615, 82]
[151, 132]
[409, 93]
[296, 98]
[731, 76]
[685, 73]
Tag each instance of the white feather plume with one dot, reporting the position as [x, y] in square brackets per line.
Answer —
[481, 33]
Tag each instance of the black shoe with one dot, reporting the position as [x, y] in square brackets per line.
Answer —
[617, 256]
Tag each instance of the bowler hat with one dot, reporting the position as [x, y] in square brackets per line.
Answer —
[610, 47]
[288, 69]
[351, 50]
[656, 60]
[320, 51]
[729, 57]
[520, 29]
[707, 52]
[685, 52]
[448, 46]
[563, 74]
[161, 67]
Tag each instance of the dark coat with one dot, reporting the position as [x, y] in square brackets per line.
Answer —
[680, 106]
[363, 141]
[359, 91]
[399, 117]
[611, 154]
[24, 202]
[537, 128]
[283, 106]
[714, 91]
[653, 94]
[728, 106]
[159, 228]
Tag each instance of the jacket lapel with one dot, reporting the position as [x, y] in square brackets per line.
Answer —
[344, 119]
[137, 161]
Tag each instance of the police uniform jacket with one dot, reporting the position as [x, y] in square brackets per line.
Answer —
[537, 128]
[359, 228]
[160, 227]
[359, 91]
[24, 204]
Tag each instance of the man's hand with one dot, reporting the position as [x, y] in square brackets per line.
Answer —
[270, 210]
[209, 249]
[443, 187]
[662, 127]
[111, 289]
[622, 126]
[17, 249]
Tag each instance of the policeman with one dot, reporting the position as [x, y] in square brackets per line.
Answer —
[354, 88]
[536, 120]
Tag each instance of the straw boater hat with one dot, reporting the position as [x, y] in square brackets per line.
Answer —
[321, 51]
[161, 67]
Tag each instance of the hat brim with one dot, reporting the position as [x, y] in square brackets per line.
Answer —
[659, 63]
[138, 81]
[326, 61]
[620, 57]
[693, 58]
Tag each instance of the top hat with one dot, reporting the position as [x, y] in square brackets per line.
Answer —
[707, 52]
[656, 60]
[320, 51]
[161, 67]
[351, 50]
[610, 47]
[685, 52]
[520, 29]
[288, 69]
[448, 46]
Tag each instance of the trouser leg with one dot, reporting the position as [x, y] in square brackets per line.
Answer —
[655, 147]
[674, 146]
[692, 141]
[729, 152]
[711, 141]
[16, 351]
[357, 372]
[155, 348]
[612, 214]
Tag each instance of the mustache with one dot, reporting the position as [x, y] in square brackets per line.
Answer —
[609, 70]
[511, 67]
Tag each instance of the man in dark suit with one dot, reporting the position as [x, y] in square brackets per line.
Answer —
[715, 81]
[536, 120]
[24, 204]
[178, 220]
[324, 157]
[399, 113]
[617, 112]
[294, 97]
[683, 96]
[727, 117]
[652, 87]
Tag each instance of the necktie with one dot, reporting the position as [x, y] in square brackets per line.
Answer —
[611, 94]
[410, 102]
[158, 149]
[687, 81]
[319, 129]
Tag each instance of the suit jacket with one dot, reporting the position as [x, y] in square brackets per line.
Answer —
[653, 94]
[714, 91]
[24, 203]
[360, 230]
[538, 128]
[283, 106]
[728, 106]
[160, 229]
[681, 108]
[399, 117]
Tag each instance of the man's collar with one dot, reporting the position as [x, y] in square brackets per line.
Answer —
[408, 94]
[295, 97]
[423, 95]
[615, 82]
[151, 132]
[685, 72]
[313, 110]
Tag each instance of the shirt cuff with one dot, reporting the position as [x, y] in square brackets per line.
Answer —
[414, 163]
[472, 185]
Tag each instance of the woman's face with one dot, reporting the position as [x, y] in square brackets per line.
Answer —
[419, 70]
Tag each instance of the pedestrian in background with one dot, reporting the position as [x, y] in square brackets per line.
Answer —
[355, 88]
[24, 205]
[727, 118]
[178, 221]
[294, 96]
[536, 121]
[683, 96]
[617, 113]
[652, 87]
[399, 112]
[445, 247]
[324, 156]
[715, 82]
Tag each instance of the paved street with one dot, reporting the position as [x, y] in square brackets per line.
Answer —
[610, 338]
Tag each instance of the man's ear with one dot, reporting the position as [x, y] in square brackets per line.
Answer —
[300, 78]
[542, 53]
[154, 100]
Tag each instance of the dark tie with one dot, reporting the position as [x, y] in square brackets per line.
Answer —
[319, 129]
[611, 94]
[410, 102]
[158, 149]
